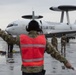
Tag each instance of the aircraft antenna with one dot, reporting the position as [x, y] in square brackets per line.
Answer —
[62, 16]
[64, 8]
[67, 15]
[33, 15]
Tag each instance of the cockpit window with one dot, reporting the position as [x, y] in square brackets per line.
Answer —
[10, 25]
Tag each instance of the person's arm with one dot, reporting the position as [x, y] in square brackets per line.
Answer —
[8, 38]
[55, 54]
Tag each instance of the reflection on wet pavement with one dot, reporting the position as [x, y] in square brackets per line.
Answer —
[52, 66]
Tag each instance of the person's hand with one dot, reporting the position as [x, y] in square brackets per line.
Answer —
[69, 66]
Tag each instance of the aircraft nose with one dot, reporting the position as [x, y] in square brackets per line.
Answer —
[8, 30]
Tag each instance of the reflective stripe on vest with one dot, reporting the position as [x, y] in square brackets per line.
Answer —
[33, 45]
[32, 60]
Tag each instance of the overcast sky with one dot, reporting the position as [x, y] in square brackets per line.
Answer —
[11, 10]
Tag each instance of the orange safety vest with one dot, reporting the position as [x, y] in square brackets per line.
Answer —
[32, 50]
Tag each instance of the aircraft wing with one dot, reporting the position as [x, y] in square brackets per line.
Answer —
[30, 17]
[59, 33]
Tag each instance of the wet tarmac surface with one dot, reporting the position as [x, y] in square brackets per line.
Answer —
[52, 66]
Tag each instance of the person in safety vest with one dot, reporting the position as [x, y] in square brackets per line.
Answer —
[54, 41]
[32, 46]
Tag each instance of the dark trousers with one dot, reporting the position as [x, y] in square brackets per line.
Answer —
[39, 73]
[10, 50]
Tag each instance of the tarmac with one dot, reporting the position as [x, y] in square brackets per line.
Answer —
[52, 66]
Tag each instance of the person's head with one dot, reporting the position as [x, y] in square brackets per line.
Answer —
[33, 25]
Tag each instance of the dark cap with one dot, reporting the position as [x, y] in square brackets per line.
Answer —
[33, 25]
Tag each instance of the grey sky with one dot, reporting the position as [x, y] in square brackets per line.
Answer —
[11, 10]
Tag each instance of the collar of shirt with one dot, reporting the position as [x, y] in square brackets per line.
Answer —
[33, 33]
